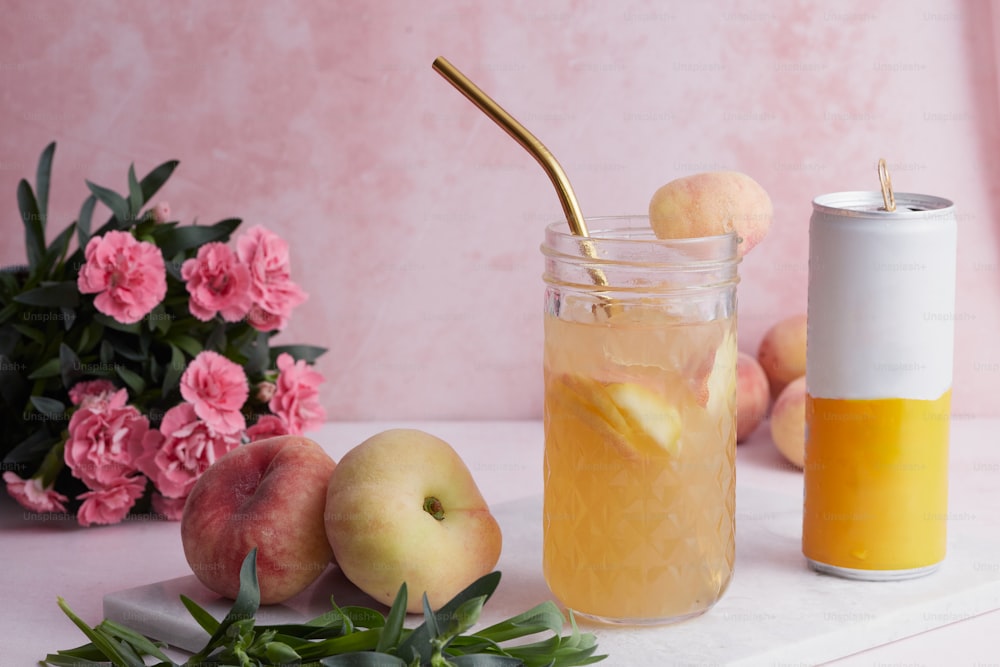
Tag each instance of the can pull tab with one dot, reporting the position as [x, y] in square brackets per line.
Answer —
[888, 198]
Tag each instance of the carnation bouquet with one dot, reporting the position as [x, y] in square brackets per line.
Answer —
[130, 363]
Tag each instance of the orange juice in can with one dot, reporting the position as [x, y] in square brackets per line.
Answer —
[880, 347]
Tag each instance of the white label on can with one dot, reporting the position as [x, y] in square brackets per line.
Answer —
[881, 307]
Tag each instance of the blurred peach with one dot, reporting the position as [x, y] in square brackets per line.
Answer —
[788, 422]
[782, 352]
[711, 203]
[752, 395]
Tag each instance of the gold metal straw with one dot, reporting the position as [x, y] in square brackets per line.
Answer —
[530, 143]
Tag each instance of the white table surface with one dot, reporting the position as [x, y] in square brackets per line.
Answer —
[43, 561]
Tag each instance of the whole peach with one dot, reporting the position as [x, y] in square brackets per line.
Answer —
[753, 395]
[711, 203]
[403, 507]
[788, 422]
[268, 494]
[782, 352]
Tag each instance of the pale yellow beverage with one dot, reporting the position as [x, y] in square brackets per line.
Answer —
[640, 446]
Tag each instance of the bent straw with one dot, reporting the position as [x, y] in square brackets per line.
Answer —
[570, 206]
[520, 134]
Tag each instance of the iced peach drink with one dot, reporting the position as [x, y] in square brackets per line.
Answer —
[640, 384]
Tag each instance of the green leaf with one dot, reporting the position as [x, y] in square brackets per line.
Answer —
[53, 464]
[136, 640]
[90, 336]
[49, 369]
[114, 201]
[309, 353]
[180, 239]
[64, 659]
[542, 617]
[107, 353]
[49, 407]
[112, 323]
[419, 641]
[83, 223]
[58, 248]
[363, 659]
[247, 598]
[217, 339]
[465, 616]
[158, 319]
[174, 370]
[393, 628]
[363, 640]
[135, 198]
[344, 619]
[111, 649]
[51, 295]
[155, 179]
[485, 660]
[257, 354]
[430, 620]
[43, 177]
[201, 617]
[362, 617]
[190, 345]
[133, 380]
[32, 447]
[69, 365]
[68, 316]
[34, 229]
[30, 332]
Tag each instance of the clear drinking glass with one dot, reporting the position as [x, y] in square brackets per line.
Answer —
[640, 428]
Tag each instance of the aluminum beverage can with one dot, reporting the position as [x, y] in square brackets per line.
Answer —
[880, 343]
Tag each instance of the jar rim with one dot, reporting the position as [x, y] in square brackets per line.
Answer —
[629, 239]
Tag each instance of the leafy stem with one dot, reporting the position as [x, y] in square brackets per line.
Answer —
[350, 636]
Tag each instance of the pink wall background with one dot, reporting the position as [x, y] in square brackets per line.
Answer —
[415, 222]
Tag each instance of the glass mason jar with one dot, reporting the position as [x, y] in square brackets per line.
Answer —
[640, 421]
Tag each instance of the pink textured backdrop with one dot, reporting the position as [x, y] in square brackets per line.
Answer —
[415, 222]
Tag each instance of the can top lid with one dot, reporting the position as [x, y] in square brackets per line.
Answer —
[871, 203]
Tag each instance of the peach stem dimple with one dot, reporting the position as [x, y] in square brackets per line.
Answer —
[434, 507]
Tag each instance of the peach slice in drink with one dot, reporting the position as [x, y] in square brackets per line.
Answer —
[633, 419]
[655, 425]
[721, 382]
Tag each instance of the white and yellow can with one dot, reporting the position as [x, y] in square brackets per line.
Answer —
[880, 347]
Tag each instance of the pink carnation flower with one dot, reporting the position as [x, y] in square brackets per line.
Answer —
[101, 436]
[217, 388]
[271, 288]
[176, 455]
[218, 283]
[94, 390]
[110, 504]
[30, 494]
[266, 427]
[296, 399]
[128, 276]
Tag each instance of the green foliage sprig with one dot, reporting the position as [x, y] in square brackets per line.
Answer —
[350, 636]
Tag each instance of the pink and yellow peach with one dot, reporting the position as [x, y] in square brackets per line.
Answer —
[712, 203]
[269, 494]
[788, 422]
[753, 395]
[782, 352]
